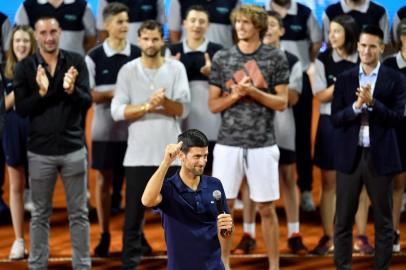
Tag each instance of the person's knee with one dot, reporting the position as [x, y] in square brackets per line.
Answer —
[267, 210]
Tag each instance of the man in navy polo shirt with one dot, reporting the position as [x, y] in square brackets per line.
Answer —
[189, 214]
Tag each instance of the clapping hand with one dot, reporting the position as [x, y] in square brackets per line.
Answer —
[205, 70]
[69, 80]
[157, 99]
[364, 95]
[42, 80]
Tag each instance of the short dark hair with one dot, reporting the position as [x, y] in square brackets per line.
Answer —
[197, 8]
[401, 31]
[351, 30]
[282, 3]
[113, 9]
[151, 25]
[372, 30]
[46, 17]
[277, 16]
[193, 138]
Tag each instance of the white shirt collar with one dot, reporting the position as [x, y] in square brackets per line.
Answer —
[363, 8]
[374, 72]
[291, 11]
[400, 61]
[43, 2]
[110, 51]
[202, 48]
[351, 58]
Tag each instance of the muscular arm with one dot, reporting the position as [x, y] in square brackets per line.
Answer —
[170, 108]
[219, 102]
[152, 193]
[102, 97]
[325, 95]
[278, 101]
[293, 97]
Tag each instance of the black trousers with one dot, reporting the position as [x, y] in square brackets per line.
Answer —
[136, 180]
[303, 123]
[379, 190]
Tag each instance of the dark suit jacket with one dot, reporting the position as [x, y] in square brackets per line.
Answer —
[390, 98]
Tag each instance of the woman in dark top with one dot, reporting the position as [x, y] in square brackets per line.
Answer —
[398, 62]
[22, 44]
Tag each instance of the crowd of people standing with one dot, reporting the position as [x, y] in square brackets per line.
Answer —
[246, 77]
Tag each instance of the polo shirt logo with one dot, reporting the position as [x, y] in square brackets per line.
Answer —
[296, 27]
[146, 8]
[70, 17]
[105, 71]
[222, 10]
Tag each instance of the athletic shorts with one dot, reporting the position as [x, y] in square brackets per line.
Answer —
[259, 165]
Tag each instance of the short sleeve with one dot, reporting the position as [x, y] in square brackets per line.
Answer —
[281, 68]
[99, 18]
[320, 81]
[215, 72]
[174, 18]
[314, 29]
[89, 22]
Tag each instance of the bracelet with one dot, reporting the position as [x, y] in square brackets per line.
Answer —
[145, 107]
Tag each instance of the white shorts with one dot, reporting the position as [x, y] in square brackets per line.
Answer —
[259, 165]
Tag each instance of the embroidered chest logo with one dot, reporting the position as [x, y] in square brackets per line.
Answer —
[70, 17]
[296, 27]
[222, 10]
[146, 8]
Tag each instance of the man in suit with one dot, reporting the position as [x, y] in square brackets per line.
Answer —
[367, 104]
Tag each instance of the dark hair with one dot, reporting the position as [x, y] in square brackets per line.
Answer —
[113, 9]
[47, 17]
[351, 30]
[282, 3]
[192, 138]
[277, 16]
[151, 25]
[373, 30]
[401, 30]
[197, 8]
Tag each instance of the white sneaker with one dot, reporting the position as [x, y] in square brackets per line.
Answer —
[306, 201]
[18, 250]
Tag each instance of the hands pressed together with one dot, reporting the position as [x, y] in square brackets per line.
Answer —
[243, 88]
[364, 96]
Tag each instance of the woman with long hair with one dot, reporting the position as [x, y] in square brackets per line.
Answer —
[22, 44]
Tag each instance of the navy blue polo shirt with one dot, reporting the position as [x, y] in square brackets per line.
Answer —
[189, 219]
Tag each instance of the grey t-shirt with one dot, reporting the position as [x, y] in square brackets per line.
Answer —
[247, 123]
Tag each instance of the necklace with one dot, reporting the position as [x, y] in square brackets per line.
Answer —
[150, 73]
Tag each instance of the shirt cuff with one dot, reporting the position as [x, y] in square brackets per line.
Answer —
[356, 111]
